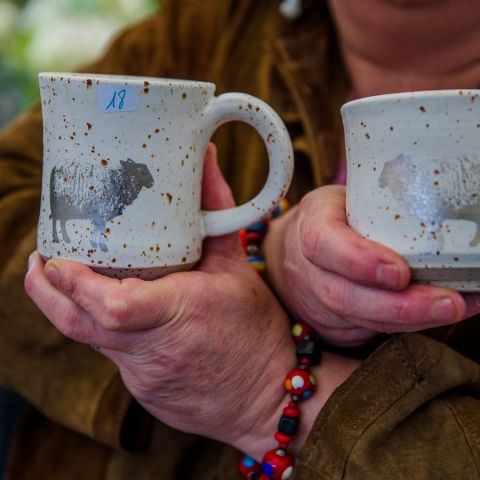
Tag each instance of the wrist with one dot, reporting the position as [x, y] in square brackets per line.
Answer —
[332, 372]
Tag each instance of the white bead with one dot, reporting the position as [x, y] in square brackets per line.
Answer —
[291, 9]
[287, 473]
[297, 382]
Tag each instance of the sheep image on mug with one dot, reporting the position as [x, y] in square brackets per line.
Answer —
[413, 180]
[452, 195]
[123, 166]
[77, 192]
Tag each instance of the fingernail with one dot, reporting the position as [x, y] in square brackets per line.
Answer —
[52, 274]
[388, 275]
[443, 310]
[31, 259]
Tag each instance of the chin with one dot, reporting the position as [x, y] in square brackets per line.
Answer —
[414, 3]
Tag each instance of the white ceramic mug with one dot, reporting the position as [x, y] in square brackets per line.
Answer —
[123, 164]
[413, 180]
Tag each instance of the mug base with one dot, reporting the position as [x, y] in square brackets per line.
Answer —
[145, 273]
[462, 279]
[151, 273]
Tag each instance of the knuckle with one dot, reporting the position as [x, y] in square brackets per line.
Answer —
[336, 296]
[313, 242]
[116, 312]
[71, 325]
[400, 313]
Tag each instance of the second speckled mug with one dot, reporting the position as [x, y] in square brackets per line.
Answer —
[123, 164]
[413, 180]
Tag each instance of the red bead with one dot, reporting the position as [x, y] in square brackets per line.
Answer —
[253, 238]
[291, 410]
[278, 465]
[283, 438]
[243, 239]
[300, 382]
[248, 467]
[300, 331]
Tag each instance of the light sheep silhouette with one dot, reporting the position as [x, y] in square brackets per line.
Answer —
[437, 190]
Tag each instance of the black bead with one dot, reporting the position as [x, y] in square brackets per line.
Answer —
[309, 349]
[288, 425]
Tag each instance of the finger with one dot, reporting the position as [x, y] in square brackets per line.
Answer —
[415, 308]
[329, 243]
[118, 305]
[217, 195]
[62, 312]
[472, 302]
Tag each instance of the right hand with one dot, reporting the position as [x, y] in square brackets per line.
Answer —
[346, 287]
[204, 351]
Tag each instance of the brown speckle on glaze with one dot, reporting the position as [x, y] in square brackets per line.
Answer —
[397, 217]
[169, 198]
[88, 83]
[422, 109]
[367, 136]
[184, 96]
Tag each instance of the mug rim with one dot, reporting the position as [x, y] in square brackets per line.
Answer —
[114, 79]
[414, 95]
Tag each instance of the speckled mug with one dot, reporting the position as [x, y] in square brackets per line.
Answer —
[122, 170]
[413, 180]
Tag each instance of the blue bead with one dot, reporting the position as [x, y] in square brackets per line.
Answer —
[307, 394]
[249, 462]
[258, 227]
[255, 259]
[267, 469]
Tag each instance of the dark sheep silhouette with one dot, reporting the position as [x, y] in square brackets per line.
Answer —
[99, 194]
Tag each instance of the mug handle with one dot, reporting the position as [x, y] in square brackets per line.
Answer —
[246, 108]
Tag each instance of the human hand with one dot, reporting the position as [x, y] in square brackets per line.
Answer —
[349, 288]
[204, 351]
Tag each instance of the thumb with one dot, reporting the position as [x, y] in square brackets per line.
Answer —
[217, 195]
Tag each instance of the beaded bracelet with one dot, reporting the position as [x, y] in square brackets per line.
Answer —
[300, 383]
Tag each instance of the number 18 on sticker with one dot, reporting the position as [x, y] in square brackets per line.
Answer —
[115, 98]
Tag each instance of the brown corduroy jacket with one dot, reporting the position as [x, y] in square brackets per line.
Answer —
[411, 411]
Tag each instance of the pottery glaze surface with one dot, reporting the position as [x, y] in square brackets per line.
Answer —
[413, 180]
[123, 166]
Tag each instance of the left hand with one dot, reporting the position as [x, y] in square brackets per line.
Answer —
[347, 287]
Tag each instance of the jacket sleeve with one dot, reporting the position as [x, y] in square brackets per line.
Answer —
[68, 382]
[412, 410]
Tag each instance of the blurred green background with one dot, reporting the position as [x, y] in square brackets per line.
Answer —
[54, 35]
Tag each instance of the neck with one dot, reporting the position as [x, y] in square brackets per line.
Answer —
[403, 45]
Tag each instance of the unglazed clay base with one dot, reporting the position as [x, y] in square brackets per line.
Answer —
[143, 273]
[461, 279]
